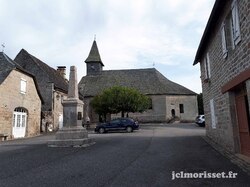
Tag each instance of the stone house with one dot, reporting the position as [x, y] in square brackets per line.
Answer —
[224, 57]
[20, 105]
[169, 100]
[53, 86]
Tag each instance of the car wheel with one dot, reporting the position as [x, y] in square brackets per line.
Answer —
[129, 129]
[101, 130]
[201, 124]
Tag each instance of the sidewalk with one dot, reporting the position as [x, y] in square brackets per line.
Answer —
[39, 139]
[240, 160]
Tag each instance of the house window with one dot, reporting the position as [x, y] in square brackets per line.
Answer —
[212, 112]
[223, 40]
[181, 106]
[227, 35]
[18, 121]
[207, 67]
[235, 22]
[23, 86]
[228, 27]
[23, 120]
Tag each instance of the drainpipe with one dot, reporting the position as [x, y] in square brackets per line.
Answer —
[52, 102]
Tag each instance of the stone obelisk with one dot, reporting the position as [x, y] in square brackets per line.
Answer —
[73, 134]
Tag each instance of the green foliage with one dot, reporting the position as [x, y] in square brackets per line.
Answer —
[120, 99]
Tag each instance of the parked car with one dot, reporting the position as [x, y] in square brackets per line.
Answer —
[200, 120]
[127, 124]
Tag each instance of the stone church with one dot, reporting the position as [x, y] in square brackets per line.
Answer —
[169, 99]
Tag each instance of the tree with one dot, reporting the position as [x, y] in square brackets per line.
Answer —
[120, 99]
[200, 103]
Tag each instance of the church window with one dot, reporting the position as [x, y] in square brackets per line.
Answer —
[150, 104]
[181, 106]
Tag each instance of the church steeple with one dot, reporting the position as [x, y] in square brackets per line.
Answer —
[94, 62]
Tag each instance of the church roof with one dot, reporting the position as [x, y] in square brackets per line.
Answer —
[147, 81]
[94, 55]
[26, 60]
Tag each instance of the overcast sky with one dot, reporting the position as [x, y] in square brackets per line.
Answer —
[130, 34]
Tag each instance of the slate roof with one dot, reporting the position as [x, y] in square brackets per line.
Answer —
[23, 58]
[94, 55]
[7, 65]
[147, 81]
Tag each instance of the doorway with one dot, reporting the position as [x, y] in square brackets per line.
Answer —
[173, 113]
[19, 122]
[60, 121]
[243, 119]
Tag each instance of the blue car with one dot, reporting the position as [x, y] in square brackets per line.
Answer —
[119, 124]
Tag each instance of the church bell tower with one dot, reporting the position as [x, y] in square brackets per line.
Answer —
[94, 62]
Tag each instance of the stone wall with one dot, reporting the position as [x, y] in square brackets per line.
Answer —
[57, 107]
[54, 117]
[11, 98]
[160, 111]
[190, 107]
[156, 114]
[222, 71]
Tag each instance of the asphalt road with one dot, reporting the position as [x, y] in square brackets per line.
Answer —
[147, 157]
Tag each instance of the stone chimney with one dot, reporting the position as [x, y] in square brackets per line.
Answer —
[62, 71]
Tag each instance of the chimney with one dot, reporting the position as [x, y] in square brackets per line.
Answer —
[62, 71]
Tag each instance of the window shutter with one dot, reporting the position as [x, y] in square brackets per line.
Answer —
[205, 68]
[236, 23]
[23, 86]
[224, 44]
[208, 66]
